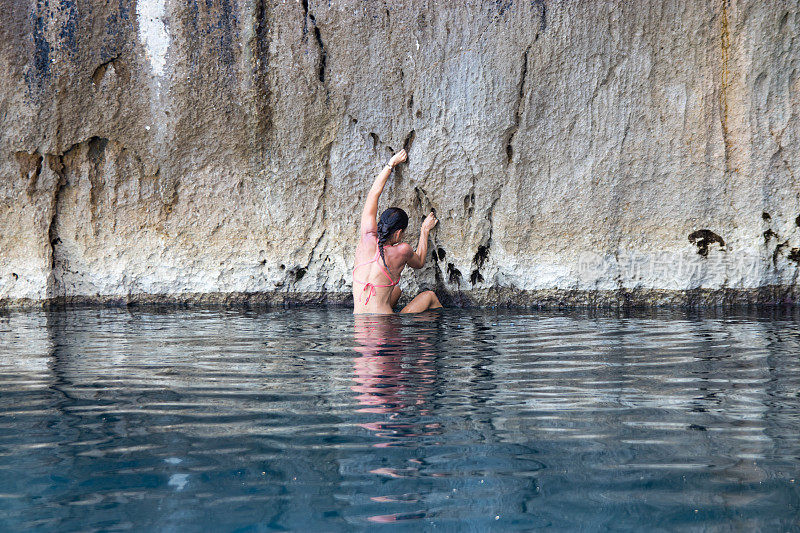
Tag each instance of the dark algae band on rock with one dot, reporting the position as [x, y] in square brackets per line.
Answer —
[470, 298]
[212, 151]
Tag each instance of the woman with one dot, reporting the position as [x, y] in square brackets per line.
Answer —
[381, 255]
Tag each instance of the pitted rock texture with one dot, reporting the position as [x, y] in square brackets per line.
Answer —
[590, 153]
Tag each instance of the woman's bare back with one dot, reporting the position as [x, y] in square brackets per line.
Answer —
[374, 283]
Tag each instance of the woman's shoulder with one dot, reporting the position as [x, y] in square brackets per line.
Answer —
[403, 249]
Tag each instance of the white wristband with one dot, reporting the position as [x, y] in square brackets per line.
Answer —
[390, 166]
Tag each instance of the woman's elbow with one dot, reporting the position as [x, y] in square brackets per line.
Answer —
[417, 262]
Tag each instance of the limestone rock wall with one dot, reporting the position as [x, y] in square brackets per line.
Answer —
[574, 151]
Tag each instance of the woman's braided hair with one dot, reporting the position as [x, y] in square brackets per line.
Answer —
[391, 220]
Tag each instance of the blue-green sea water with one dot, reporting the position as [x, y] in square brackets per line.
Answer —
[313, 420]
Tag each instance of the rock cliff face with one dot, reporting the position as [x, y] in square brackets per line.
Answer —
[575, 152]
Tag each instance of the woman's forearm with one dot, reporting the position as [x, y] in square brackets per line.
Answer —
[422, 246]
[380, 181]
[370, 210]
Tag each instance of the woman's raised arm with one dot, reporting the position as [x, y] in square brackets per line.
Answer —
[370, 212]
[417, 259]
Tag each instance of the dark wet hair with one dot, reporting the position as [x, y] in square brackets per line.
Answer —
[391, 220]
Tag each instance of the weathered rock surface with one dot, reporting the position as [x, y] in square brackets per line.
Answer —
[575, 152]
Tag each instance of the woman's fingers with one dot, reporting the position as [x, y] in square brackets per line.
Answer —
[431, 220]
[398, 158]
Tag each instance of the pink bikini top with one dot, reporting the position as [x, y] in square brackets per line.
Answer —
[371, 286]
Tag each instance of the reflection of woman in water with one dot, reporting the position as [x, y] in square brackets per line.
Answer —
[381, 255]
[394, 375]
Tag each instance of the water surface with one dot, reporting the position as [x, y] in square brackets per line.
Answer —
[313, 420]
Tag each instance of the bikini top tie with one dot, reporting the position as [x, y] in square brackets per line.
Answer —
[371, 286]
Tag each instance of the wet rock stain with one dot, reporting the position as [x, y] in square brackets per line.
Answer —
[768, 235]
[704, 238]
[776, 253]
[481, 256]
[478, 260]
[295, 274]
[476, 277]
[453, 274]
